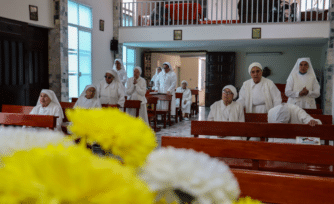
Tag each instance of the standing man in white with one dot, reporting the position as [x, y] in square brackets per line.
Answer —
[302, 87]
[166, 83]
[119, 67]
[185, 104]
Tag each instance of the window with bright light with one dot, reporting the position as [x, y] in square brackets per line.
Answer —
[129, 60]
[128, 12]
[80, 26]
[307, 5]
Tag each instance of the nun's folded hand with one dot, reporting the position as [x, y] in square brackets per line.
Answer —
[185, 102]
[312, 123]
[168, 92]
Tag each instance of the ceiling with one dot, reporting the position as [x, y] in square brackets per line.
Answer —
[230, 44]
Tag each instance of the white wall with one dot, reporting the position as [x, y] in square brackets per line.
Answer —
[102, 56]
[225, 32]
[280, 65]
[19, 10]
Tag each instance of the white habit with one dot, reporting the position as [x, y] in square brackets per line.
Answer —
[260, 97]
[167, 82]
[296, 82]
[113, 93]
[231, 113]
[288, 113]
[121, 73]
[137, 92]
[84, 102]
[53, 108]
[186, 96]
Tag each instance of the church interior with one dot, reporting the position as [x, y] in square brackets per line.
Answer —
[166, 102]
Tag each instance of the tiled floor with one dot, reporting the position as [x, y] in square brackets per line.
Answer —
[182, 129]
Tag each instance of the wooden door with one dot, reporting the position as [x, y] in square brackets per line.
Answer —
[220, 71]
[23, 62]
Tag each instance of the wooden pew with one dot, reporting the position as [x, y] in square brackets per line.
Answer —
[262, 155]
[262, 130]
[314, 111]
[263, 118]
[284, 188]
[19, 119]
[64, 106]
[16, 109]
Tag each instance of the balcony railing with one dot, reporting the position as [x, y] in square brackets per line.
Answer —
[206, 12]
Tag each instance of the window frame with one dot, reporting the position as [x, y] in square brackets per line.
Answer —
[84, 29]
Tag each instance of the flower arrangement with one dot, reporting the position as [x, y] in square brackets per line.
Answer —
[123, 135]
[42, 168]
[175, 173]
[57, 174]
[16, 138]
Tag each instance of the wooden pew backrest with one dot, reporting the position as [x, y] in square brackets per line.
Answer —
[272, 187]
[314, 111]
[16, 109]
[266, 151]
[263, 130]
[28, 120]
[263, 118]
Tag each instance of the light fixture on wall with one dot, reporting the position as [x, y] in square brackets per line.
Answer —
[263, 53]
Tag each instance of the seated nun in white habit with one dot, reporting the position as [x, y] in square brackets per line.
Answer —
[89, 98]
[111, 90]
[136, 90]
[302, 87]
[228, 110]
[119, 67]
[48, 104]
[155, 77]
[186, 99]
[258, 94]
[292, 114]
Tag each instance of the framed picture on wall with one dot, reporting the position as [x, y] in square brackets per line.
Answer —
[256, 33]
[33, 12]
[177, 34]
[101, 25]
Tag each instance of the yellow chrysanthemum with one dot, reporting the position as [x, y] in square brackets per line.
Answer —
[55, 175]
[247, 200]
[128, 137]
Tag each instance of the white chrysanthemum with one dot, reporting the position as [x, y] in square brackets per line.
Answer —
[197, 174]
[18, 138]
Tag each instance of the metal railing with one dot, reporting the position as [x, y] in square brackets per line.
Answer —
[204, 12]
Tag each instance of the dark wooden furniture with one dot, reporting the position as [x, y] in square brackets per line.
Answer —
[132, 104]
[16, 109]
[263, 118]
[178, 110]
[74, 100]
[220, 71]
[259, 9]
[109, 105]
[264, 156]
[314, 111]
[152, 112]
[270, 187]
[194, 105]
[281, 88]
[64, 106]
[308, 15]
[262, 130]
[23, 62]
[19, 119]
[165, 113]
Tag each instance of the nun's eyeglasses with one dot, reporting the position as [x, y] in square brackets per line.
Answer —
[227, 92]
[108, 77]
